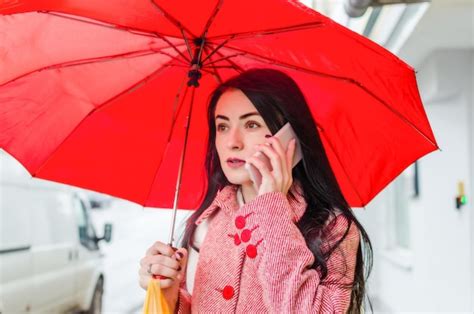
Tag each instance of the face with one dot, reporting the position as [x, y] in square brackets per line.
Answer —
[239, 127]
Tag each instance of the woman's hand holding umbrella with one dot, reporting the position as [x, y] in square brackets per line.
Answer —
[166, 264]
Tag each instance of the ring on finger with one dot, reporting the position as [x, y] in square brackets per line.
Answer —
[149, 269]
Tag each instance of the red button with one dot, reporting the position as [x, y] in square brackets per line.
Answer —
[246, 235]
[240, 222]
[228, 292]
[251, 251]
[236, 239]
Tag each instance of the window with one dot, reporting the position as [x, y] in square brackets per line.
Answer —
[87, 235]
[403, 189]
[401, 193]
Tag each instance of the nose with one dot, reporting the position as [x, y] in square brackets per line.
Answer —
[234, 140]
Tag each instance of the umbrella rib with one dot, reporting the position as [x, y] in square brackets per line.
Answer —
[207, 71]
[184, 64]
[169, 135]
[360, 40]
[222, 67]
[176, 114]
[173, 20]
[272, 31]
[215, 74]
[128, 29]
[112, 58]
[211, 18]
[255, 56]
[173, 46]
[215, 50]
[236, 67]
[342, 166]
[129, 89]
[224, 58]
[187, 44]
[133, 54]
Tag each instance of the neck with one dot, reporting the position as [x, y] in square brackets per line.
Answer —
[248, 192]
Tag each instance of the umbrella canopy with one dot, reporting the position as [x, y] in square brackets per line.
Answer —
[105, 95]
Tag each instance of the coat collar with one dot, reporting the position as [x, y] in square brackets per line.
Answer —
[226, 199]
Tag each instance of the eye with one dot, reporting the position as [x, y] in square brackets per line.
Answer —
[252, 123]
[220, 127]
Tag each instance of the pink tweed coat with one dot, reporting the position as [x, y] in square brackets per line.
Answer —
[255, 260]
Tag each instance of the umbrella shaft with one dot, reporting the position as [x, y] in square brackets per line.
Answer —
[181, 163]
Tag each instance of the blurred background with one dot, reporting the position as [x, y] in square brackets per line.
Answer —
[64, 247]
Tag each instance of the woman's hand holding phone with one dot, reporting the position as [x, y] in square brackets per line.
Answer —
[271, 167]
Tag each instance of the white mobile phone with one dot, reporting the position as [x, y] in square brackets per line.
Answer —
[285, 134]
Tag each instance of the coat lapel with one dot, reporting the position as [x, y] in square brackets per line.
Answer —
[226, 199]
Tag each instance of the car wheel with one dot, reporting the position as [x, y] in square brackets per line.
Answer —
[96, 303]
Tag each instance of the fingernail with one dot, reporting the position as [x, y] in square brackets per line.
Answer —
[180, 256]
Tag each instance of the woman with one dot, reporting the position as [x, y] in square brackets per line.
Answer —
[290, 245]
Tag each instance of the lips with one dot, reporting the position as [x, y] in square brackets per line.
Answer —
[231, 159]
[235, 162]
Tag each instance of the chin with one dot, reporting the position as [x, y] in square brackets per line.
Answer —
[237, 177]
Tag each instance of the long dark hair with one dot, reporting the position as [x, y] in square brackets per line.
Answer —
[278, 99]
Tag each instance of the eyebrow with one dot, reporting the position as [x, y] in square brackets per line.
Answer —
[240, 118]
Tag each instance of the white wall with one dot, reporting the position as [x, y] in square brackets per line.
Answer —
[439, 274]
[471, 194]
[372, 218]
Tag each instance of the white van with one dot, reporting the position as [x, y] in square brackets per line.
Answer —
[50, 261]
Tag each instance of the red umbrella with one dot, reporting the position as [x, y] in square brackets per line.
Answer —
[106, 95]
